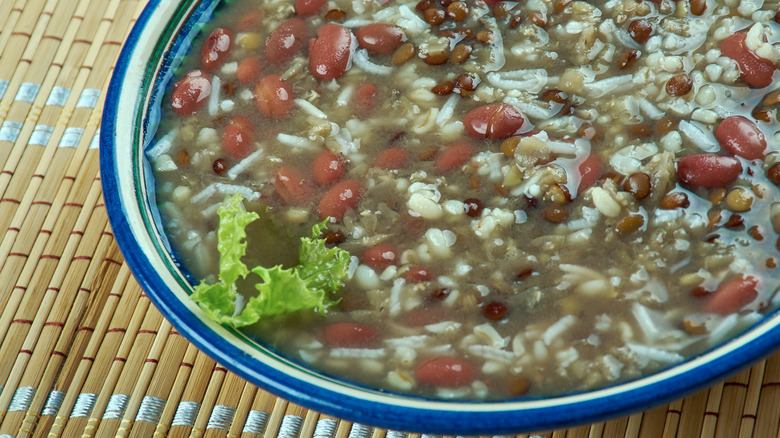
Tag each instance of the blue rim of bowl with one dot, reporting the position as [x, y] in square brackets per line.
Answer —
[125, 176]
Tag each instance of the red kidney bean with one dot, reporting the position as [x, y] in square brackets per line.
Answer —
[380, 38]
[249, 70]
[238, 137]
[350, 335]
[309, 7]
[418, 275]
[286, 41]
[755, 71]
[392, 158]
[327, 168]
[454, 156]
[216, 49]
[340, 198]
[495, 310]
[273, 96]
[708, 171]
[291, 186]
[732, 295]
[494, 121]
[422, 316]
[365, 97]
[443, 371]
[330, 53]
[250, 20]
[380, 256]
[590, 171]
[190, 93]
[741, 137]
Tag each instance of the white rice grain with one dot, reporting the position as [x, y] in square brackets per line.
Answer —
[309, 108]
[361, 60]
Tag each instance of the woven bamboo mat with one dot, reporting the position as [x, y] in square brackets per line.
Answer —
[71, 364]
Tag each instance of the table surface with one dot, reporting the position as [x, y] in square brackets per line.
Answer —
[84, 352]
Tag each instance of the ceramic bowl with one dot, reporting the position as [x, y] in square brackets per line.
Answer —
[144, 70]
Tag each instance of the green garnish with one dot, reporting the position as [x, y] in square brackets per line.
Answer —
[308, 285]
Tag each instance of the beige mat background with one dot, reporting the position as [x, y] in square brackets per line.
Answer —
[82, 350]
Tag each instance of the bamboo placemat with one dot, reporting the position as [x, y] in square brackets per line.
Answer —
[72, 365]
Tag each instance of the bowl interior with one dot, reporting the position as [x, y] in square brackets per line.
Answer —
[144, 71]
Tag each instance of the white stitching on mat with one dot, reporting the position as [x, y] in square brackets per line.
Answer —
[326, 428]
[151, 409]
[185, 414]
[116, 407]
[71, 138]
[88, 98]
[27, 92]
[22, 399]
[95, 143]
[58, 96]
[395, 434]
[221, 417]
[53, 403]
[291, 426]
[359, 431]
[3, 87]
[9, 131]
[256, 422]
[41, 135]
[84, 404]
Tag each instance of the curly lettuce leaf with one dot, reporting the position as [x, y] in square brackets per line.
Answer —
[305, 286]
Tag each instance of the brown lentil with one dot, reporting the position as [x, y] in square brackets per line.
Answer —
[638, 184]
[589, 132]
[434, 16]
[509, 146]
[641, 30]
[443, 88]
[762, 114]
[717, 195]
[558, 194]
[183, 158]
[423, 5]
[679, 85]
[473, 207]
[437, 58]
[755, 232]
[555, 213]
[629, 224]
[334, 237]
[220, 166]
[538, 19]
[560, 5]
[739, 200]
[734, 221]
[467, 81]
[664, 125]
[773, 174]
[486, 36]
[460, 53]
[554, 95]
[403, 53]
[771, 262]
[457, 11]
[501, 10]
[698, 7]
[335, 15]
[494, 310]
[523, 273]
[439, 294]
[519, 385]
[628, 58]
[694, 327]
[772, 98]
[675, 200]
[639, 130]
